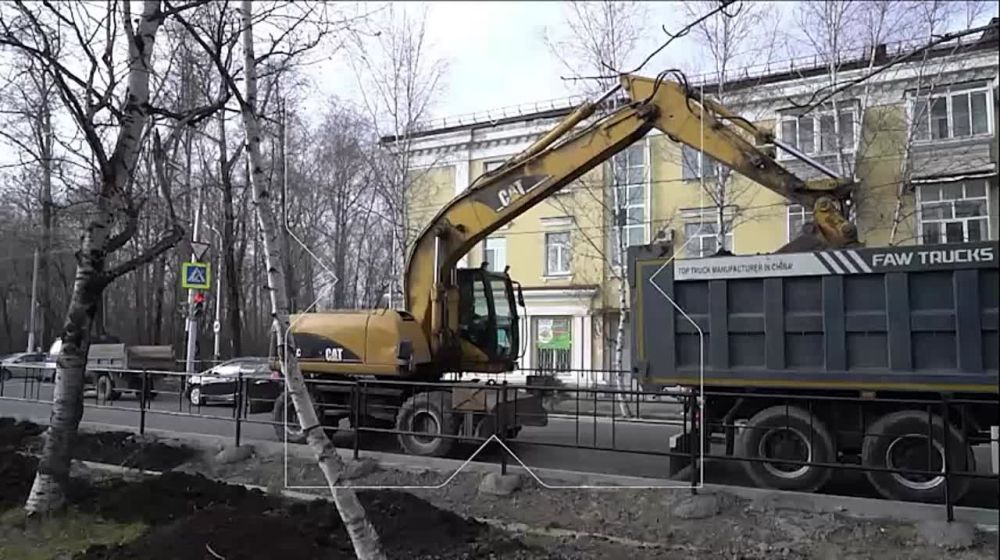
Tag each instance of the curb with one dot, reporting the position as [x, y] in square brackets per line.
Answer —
[858, 508]
[661, 420]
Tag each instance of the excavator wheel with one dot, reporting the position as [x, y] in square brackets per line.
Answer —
[428, 413]
[290, 430]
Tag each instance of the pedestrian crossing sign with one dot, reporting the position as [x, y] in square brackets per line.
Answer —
[196, 276]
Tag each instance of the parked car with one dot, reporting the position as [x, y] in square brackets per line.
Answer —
[218, 384]
[23, 364]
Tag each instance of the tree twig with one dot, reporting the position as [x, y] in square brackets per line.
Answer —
[723, 4]
[813, 103]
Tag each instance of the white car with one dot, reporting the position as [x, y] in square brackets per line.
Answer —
[24, 364]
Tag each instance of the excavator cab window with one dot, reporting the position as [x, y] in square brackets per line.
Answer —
[487, 312]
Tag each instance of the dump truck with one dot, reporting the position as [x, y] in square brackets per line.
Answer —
[912, 323]
[465, 320]
[113, 366]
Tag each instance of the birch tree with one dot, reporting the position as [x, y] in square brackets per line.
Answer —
[101, 112]
[730, 42]
[850, 38]
[362, 532]
[399, 81]
[600, 39]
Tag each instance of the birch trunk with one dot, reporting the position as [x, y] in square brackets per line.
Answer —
[49, 487]
[362, 532]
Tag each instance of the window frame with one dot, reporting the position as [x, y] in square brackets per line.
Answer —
[816, 118]
[944, 221]
[948, 93]
[696, 174]
[701, 222]
[490, 165]
[617, 259]
[800, 211]
[495, 266]
[567, 250]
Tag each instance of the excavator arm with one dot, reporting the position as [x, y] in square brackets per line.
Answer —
[440, 297]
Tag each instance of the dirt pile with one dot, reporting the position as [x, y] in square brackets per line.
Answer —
[16, 474]
[124, 448]
[190, 514]
[116, 448]
[15, 434]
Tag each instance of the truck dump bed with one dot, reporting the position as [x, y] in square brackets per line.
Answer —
[921, 318]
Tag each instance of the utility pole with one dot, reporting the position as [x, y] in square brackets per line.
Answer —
[34, 304]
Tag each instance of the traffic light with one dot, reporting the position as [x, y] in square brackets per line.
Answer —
[199, 304]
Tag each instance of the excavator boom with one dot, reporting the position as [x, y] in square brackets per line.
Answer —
[563, 155]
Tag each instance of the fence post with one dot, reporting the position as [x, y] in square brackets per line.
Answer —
[356, 413]
[949, 507]
[143, 403]
[502, 426]
[695, 442]
[238, 404]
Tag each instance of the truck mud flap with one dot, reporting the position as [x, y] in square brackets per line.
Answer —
[680, 444]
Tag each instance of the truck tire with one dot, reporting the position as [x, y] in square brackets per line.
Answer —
[792, 434]
[428, 413]
[292, 429]
[899, 440]
[105, 387]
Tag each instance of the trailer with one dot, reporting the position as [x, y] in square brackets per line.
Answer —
[114, 368]
[859, 337]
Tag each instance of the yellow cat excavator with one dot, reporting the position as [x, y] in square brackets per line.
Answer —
[465, 320]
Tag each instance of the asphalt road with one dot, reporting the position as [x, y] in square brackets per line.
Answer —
[569, 444]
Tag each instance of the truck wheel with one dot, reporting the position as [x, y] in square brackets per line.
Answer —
[900, 441]
[105, 387]
[792, 434]
[292, 428]
[429, 413]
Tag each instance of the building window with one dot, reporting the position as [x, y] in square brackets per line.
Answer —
[491, 165]
[954, 212]
[816, 133]
[495, 253]
[553, 343]
[691, 164]
[629, 171]
[701, 239]
[558, 254]
[798, 215]
[951, 115]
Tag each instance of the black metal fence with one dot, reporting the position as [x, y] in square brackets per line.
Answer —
[920, 447]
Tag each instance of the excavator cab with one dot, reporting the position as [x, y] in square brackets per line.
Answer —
[487, 314]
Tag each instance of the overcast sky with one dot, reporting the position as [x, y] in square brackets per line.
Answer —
[497, 57]
[496, 54]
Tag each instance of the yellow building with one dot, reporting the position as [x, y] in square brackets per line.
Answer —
[918, 138]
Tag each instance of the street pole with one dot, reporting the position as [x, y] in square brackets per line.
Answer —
[217, 325]
[192, 321]
[34, 304]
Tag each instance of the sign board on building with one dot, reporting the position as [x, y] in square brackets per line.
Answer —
[554, 334]
[196, 276]
[847, 261]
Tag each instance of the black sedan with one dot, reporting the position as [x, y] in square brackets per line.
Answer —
[219, 383]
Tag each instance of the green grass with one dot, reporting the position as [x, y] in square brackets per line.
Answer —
[59, 536]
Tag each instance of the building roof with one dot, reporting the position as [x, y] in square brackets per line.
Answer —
[747, 77]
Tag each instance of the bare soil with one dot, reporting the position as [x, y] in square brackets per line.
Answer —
[115, 448]
[628, 523]
[191, 517]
